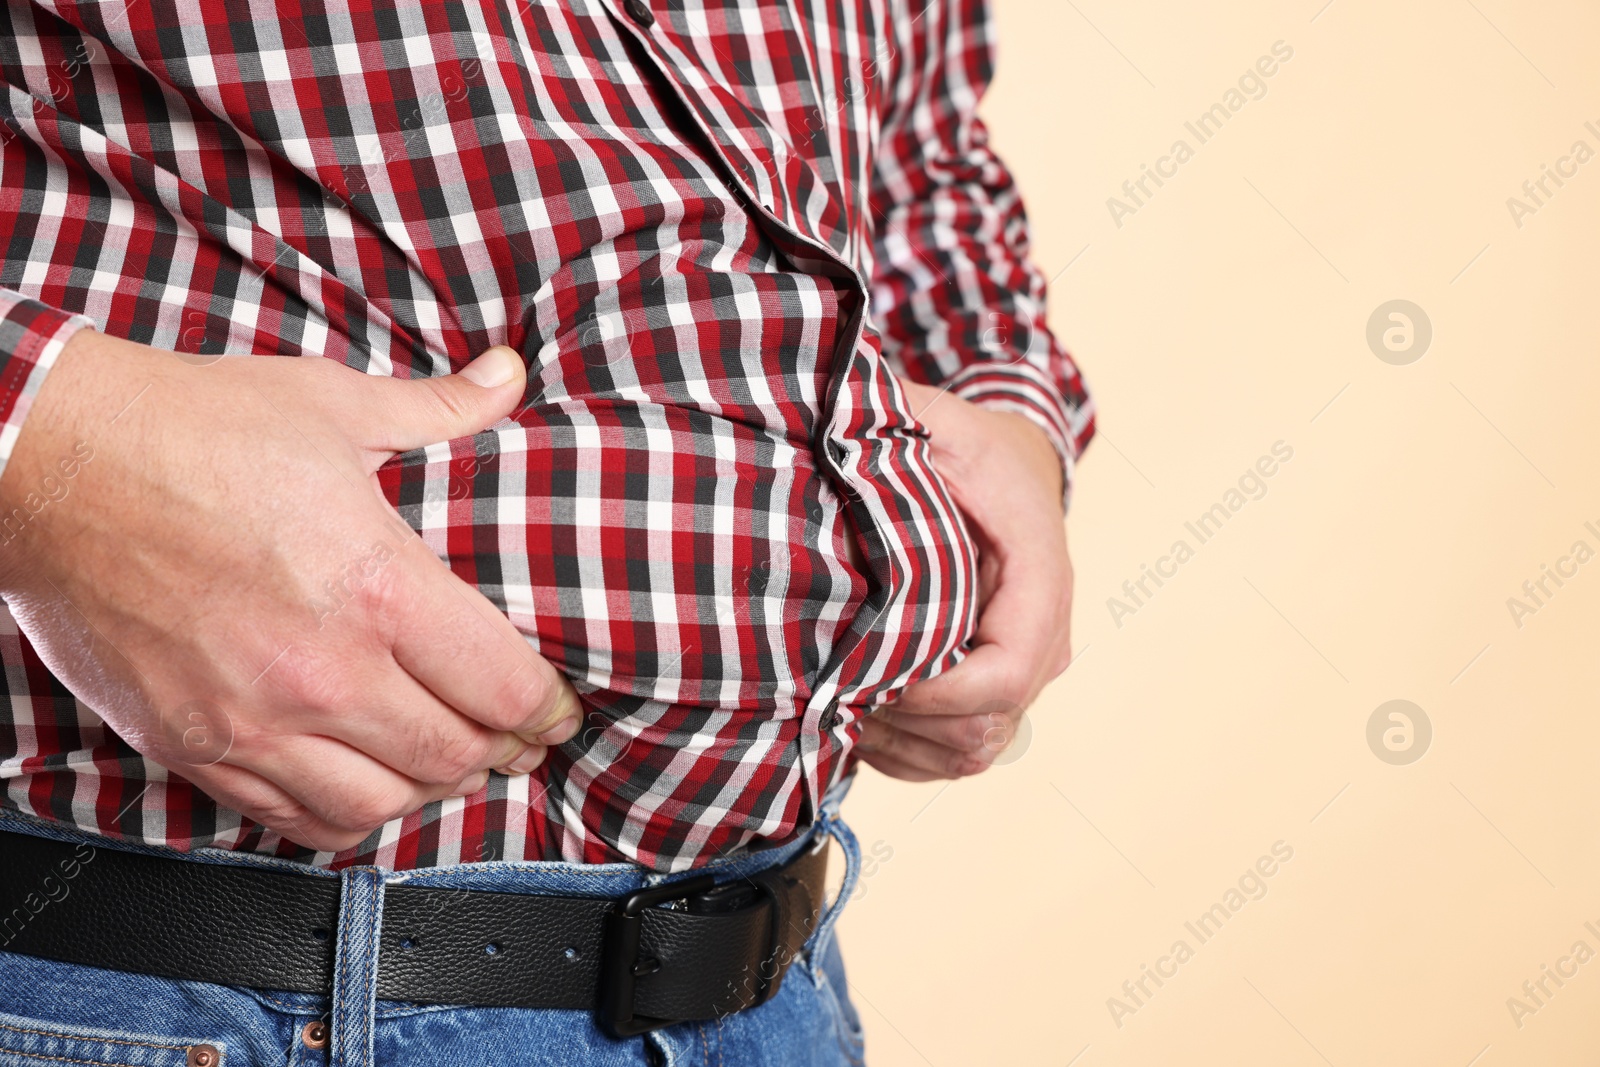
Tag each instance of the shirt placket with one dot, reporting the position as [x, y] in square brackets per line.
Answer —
[756, 179]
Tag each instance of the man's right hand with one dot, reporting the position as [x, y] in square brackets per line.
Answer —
[223, 584]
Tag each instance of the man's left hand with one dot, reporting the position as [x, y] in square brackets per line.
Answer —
[1006, 479]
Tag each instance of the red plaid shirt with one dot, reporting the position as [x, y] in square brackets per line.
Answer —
[713, 228]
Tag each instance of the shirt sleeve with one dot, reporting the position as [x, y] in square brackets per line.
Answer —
[32, 335]
[953, 291]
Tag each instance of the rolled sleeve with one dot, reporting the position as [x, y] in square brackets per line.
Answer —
[958, 300]
[32, 335]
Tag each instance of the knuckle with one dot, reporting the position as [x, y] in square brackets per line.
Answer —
[447, 757]
[971, 732]
[524, 699]
[368, 809]
[312, 683]
[450, 403]
[277, 812]
[381, 600]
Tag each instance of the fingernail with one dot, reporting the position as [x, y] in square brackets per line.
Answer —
[531, 757]
[471, 784]
[494, 368]
[560, 734]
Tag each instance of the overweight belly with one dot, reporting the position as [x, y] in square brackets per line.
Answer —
[647, 550]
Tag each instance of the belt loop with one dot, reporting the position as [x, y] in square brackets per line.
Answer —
[817, 946]
[355, 967]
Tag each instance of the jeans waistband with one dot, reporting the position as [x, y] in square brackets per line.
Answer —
[528, 876]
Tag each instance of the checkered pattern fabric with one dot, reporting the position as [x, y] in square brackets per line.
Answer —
[716, 229]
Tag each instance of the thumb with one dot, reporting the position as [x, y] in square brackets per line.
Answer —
[413, 413]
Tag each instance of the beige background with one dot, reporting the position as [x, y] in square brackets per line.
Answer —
[1230, 712]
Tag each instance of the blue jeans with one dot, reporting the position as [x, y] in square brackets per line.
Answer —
[63, 1013]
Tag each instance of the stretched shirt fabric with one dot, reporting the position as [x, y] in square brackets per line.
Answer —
[715, 229]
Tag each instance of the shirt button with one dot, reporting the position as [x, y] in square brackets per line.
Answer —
[830, 718]
[640, 12]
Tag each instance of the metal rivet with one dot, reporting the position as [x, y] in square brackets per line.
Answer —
[314, 1034]
[204, 1056]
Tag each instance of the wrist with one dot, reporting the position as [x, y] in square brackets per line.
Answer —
[60, 439]
[1043, 463]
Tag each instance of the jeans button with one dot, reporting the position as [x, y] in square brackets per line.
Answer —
[640, 12]
[314, 1034]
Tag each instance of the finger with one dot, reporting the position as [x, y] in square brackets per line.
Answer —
[881, 739]
[397, 415]
[991, 678]
[1029, 610]
[1024, 638]
[983, 735]
[267, 804]
[410, 730]
[458, 645]
[341, 787]
[897, 769]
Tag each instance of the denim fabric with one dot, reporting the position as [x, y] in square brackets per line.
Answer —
[61, 1013]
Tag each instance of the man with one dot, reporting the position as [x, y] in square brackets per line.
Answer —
[697, 339]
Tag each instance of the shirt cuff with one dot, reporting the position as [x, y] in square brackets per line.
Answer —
[32, 335]
[1023, 389]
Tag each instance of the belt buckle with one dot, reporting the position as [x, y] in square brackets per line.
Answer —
[621, 967]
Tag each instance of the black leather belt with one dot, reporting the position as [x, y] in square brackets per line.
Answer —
[691, 949]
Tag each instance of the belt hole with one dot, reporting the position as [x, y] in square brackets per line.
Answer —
[571, 954]
[319, 934]
[314, 1034]
[491, 948]
[408, 943]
